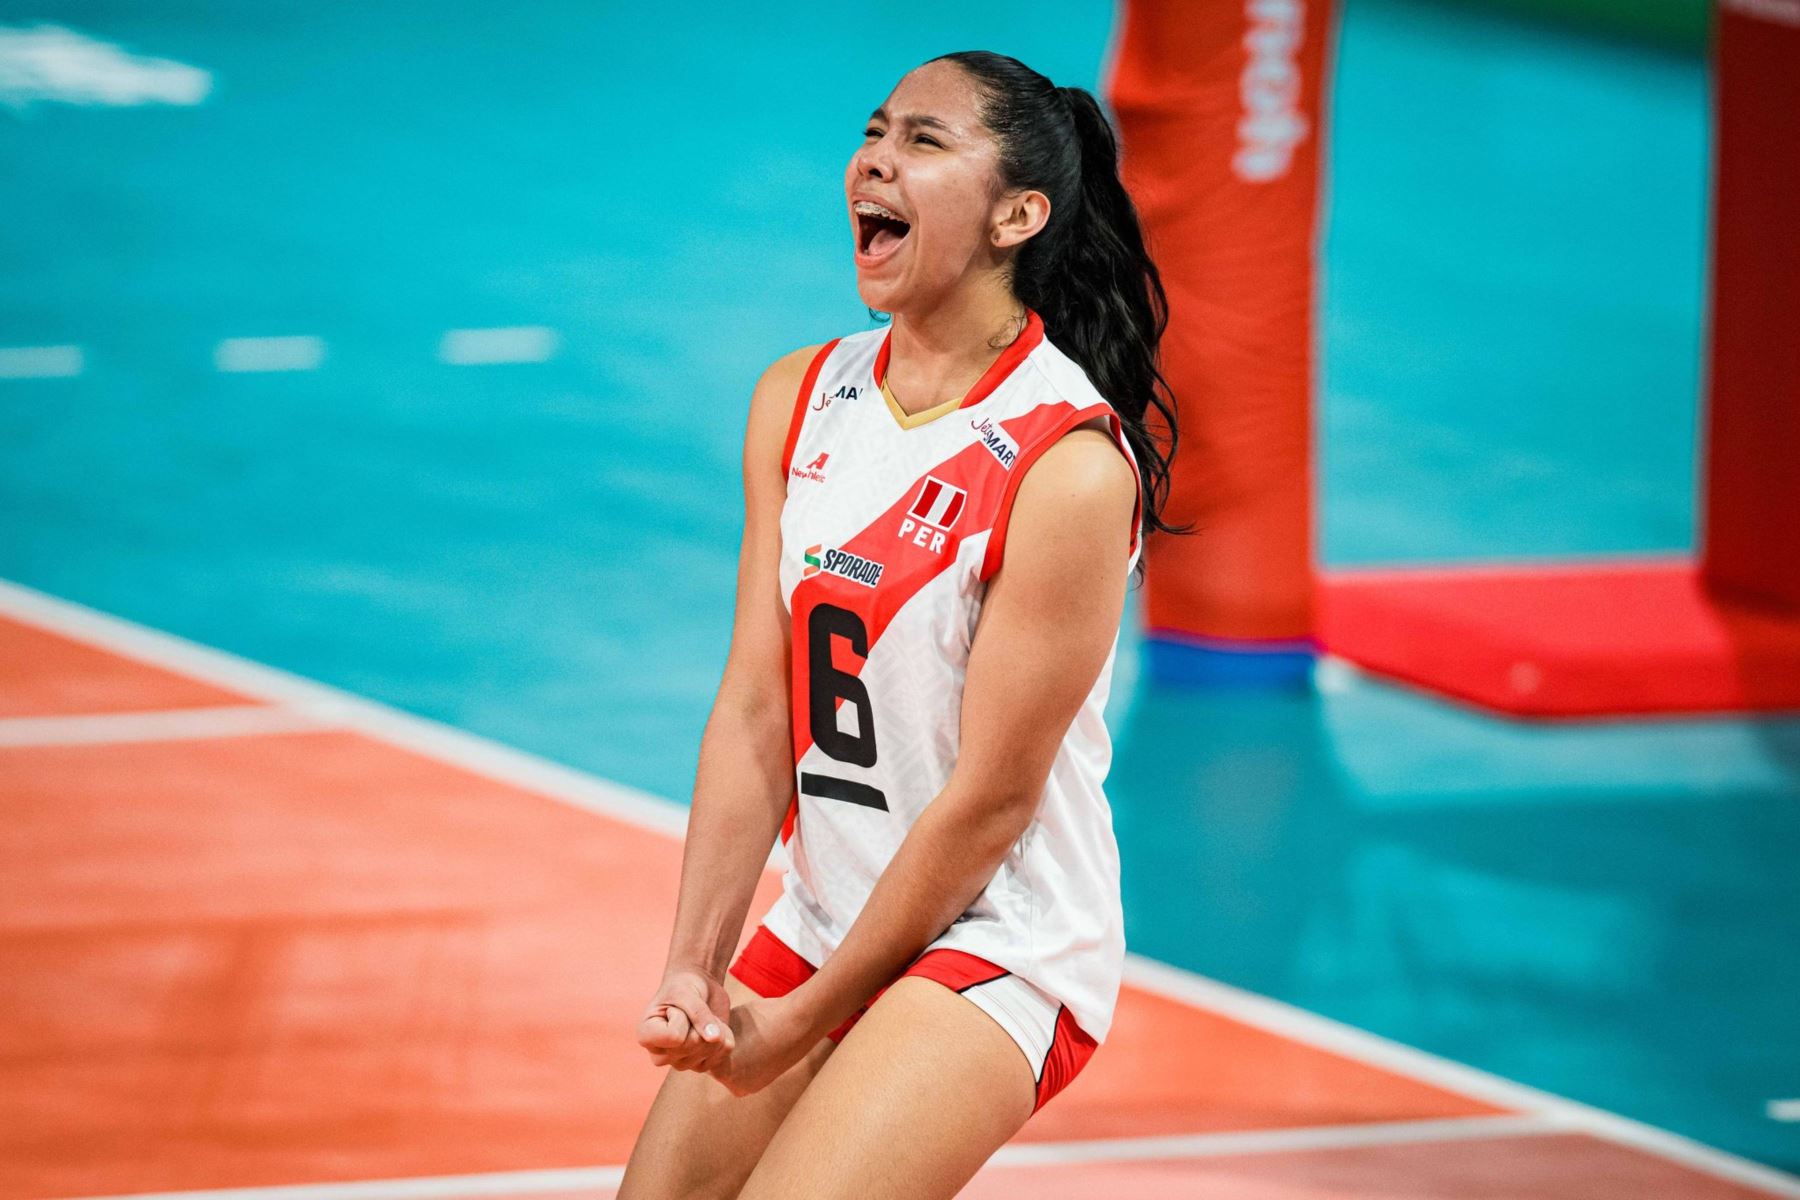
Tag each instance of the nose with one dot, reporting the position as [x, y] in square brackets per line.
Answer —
[875, 162]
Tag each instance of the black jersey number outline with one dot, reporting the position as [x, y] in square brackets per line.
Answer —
[825, 686]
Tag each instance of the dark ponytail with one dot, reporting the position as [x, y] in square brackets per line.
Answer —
[1087, 272]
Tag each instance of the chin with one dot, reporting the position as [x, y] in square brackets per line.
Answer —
[881, 297]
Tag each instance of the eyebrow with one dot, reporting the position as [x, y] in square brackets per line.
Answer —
[925, 119]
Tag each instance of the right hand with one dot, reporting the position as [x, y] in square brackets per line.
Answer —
[687, 1024]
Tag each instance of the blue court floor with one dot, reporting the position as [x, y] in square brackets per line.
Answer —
[542, 551]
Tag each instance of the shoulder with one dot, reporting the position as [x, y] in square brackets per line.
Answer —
[779, 385]
[1084, 461]
[1064, 523]
[1081, 472]
[1062, 376]
[773, 404]
[780, 380]
[1080, 488]
[777, 405]
[1069, 529]
[1081, 459]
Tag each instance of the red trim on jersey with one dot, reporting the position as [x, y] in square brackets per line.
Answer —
[1137, 506]
[996, 374]
[787, 459]
[1070, 1049]
[792, 817]
[770, 967]
[1029, 453]
[799, 417]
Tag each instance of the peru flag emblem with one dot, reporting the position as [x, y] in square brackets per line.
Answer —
[938, 503]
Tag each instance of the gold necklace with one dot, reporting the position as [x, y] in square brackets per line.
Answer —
[1021, 320]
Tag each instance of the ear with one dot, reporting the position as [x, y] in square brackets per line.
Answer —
[1018, 217]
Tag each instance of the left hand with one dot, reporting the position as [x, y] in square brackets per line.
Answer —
[771, 1037]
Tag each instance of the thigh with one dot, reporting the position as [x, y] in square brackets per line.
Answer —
[917, 1096]
[700, 1141]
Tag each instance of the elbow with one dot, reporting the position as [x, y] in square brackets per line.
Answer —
[752, 733]
[763, 710]
[992, 820]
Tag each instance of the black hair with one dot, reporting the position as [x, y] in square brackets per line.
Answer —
[1087, 272]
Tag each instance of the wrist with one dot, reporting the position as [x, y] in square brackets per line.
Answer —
[705, 944]
[697, 964]
[811, 1012]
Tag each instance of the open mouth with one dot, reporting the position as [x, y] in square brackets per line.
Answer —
[879, 231]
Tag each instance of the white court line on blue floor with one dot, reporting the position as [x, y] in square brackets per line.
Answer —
[50, 63]
[1784, 1110]
[40, 362]
[296, 353]
[555, 782]
[509, 344]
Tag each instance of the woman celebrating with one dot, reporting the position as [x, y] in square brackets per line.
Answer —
[940, 520]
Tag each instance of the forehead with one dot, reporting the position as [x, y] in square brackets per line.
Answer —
[939, 90]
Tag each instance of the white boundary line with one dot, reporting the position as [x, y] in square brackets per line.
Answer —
[244, 355]
[1025, 1154]
[549, 1182]
[418, 734]
[510, 344]
[515, 767]
[40, 362]
[1309, 1028]
[1275, 1141]
[170, 724]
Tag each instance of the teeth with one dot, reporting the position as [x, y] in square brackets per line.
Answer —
[869, 208]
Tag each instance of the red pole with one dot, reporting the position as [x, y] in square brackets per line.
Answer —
[1220, 108]
[1751, 542]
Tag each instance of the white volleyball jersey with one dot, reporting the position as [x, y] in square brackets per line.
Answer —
[891, 529]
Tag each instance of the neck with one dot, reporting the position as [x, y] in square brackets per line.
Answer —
[939, 354]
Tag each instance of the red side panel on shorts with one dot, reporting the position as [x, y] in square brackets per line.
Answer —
[955, 969]
[768, 966]
[1070, 1048]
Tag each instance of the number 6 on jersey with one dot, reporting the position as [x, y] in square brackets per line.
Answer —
[826, 686]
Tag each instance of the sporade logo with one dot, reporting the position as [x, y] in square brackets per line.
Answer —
[843, 564]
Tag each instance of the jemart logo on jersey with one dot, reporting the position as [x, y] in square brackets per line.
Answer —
[843, 564]
[996, 441]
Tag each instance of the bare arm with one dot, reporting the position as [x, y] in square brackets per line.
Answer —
[746, 778]
[1048, 621]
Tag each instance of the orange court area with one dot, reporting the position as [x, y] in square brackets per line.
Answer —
[322, 953]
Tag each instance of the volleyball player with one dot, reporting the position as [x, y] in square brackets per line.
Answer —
[941, 516]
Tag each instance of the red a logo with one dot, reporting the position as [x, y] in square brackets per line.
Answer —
[819, 462]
